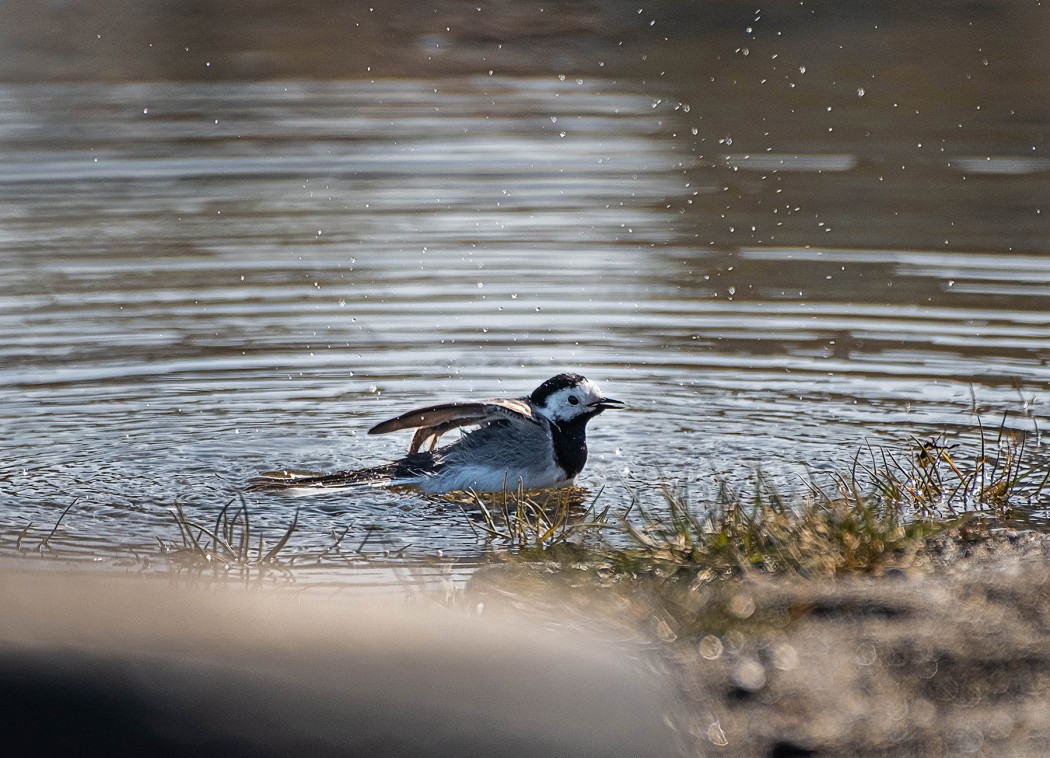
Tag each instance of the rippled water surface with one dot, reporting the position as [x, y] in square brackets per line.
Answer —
[204, 280]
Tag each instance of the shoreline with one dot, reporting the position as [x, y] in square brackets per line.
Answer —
[946, 656]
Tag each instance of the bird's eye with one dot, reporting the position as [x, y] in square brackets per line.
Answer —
[573, 400]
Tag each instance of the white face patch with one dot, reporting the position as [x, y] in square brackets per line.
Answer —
[571, 402]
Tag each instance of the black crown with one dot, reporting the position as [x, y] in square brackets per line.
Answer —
[552, 385]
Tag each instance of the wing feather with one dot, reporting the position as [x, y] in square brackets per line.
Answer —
[435, 420]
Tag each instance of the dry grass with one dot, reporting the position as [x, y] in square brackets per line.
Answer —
[931, 480]
[231, 542]
[888, 508]
[530, 521]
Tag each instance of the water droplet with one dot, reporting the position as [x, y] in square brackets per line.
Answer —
[716, 736]
[710, 647]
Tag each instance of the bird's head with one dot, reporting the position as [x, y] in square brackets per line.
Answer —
[569, 397]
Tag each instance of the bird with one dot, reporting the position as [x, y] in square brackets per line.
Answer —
[538, 441]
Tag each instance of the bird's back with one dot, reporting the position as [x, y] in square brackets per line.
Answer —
[495, 456]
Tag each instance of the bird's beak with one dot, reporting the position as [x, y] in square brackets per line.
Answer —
[605, 403]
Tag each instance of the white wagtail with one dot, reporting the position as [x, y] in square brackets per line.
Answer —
[535, 442]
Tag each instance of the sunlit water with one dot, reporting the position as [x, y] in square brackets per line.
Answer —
[202, 282]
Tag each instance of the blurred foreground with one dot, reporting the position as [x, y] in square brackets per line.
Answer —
[97, 664]
[946, 658]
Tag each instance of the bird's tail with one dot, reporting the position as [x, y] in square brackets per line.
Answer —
[309, 482]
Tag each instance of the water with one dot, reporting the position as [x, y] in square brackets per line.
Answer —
[202, 280]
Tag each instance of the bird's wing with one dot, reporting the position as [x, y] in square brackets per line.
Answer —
[433, 421]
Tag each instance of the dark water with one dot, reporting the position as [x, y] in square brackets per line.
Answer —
[200, 280]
